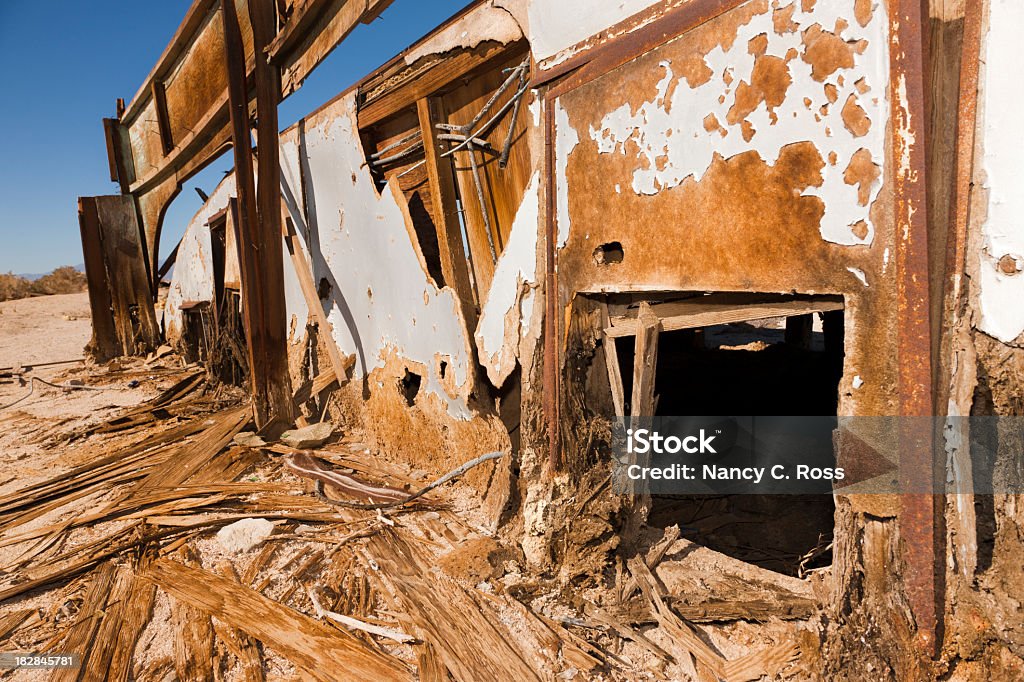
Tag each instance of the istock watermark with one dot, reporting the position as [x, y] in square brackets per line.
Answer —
[818, 455]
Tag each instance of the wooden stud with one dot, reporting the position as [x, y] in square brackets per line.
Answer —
[449, 231]
[163, 119]
[260, 253]
[800, 331]
[611, 358]
[645, 362]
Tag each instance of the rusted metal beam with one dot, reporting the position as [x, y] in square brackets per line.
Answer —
[104, 344]
[262, 278]
[920, 517]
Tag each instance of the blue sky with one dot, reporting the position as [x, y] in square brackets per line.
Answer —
[59, 83]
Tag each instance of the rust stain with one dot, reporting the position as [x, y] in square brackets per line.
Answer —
[862, 11]
[758, 45]
[826, 52]
[711, 124]
[855, 118]
[862, 172]
[808, 5]
[769, 82]
[859, 229]
[782, 19]
[862, 85]
[831, 92]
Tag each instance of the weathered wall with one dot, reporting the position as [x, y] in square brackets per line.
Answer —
[747, 154]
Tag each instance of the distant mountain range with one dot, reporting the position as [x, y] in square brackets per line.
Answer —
[34, 276]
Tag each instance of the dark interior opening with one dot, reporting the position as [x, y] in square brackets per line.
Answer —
[409, 386]
[774, 367]
[609, 254]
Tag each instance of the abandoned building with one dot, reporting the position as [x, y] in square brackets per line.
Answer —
[546, 215]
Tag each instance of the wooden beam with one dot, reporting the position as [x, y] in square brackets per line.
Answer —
[320, 651]
[163, 119]
[800, 331]
[262, 279]
[103, 345]
[127, 274]
[454, 265]
[429, 82]
[611, 359]
[171, 258]
[645, 362]
[707, 311]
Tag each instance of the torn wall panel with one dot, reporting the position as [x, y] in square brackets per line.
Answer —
[380, 295]
[1002, 255]
[485, 23]
[192, 281]
[557, 26]
[508, 309]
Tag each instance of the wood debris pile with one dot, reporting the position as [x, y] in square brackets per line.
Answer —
[121, 561]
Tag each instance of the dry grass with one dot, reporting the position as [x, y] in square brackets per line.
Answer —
[63, 280]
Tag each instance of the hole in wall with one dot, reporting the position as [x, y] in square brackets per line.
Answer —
[774, 367]
[609, 254]
[323, 289]
[443, 369]
[409, 387]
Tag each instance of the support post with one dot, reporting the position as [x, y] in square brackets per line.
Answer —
[260, 253]
[446, 211]
[104, 344]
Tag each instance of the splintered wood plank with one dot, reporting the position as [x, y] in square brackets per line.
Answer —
[611, 358]
[715, 309]
[322, 652]
[193, 633]
[80, 636]
[467, 634]
[645, 362]
[135, 613]
[240, 644]
[10, 622]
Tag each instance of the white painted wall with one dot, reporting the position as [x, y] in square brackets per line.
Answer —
[498, 332]
[556, 25]
[1002, 295]
[382, 299]
[192, 280]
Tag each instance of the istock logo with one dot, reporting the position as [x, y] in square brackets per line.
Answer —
[643, 441]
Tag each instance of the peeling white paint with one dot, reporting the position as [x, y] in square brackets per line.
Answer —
[859, 274]
[483, 24]
[381, 298]
[672, 143]
[857, 382]
[557, 26]
[192, 280]
[566, 140]
[1002, 314]
[498, 332]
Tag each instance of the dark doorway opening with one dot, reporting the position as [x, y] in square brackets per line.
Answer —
[782, 366]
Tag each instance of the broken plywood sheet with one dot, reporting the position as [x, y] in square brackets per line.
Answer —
[381, 299]
[557, 26]
[485, 22]
[508, 309]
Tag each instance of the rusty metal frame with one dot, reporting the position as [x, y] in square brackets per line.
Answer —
[920, 516]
